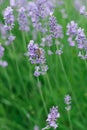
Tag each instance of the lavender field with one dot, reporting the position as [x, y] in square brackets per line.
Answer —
[43, 65]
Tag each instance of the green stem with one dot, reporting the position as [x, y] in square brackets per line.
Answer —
[68, 113]
[42, 98]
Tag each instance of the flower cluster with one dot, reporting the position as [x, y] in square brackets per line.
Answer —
[9, 18]
[76, 35]
[37, 56]
[67, 101]
[52, 117]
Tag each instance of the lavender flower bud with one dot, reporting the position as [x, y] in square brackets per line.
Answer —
[52, 117]
[9, 18]
[67, 101]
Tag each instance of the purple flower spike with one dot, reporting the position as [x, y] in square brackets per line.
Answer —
[55, 29]
[72, 28]
[80, 38]
[67, 101]
[9, 18]
[52, 117]
[23, 20]
[37, 56]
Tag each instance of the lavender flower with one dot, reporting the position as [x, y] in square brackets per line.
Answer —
[39, 10]
[82, 10]
[36, 127]
[23, 20]
[1, 51]
[72, 28]
[33, 13]
[12, 3]
[55, 29]
[71, 32]
[9, 18]
[52, 117]
[44, 8]
[19, 3]
[37, 56]
[37, 71]
[10, 39]
[3, 31]
[67, 101]
[80, 37]
[3, 63]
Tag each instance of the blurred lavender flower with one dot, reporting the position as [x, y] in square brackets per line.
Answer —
[3, 63]
[37, 71]
[23, 20]
[72, 28]
[10, 39]
[36, 127]
[80, 38]
[33, 13]
[82, 10]
[12, 3]
[3, 31]
[71, 32]
[21, 3]
[9, 18]
[59, 52]
[52, 117]
[55, 29]
[48, 40]
[44, 8]
[1, 51]
[49, 52]
[72, 42]
[40, 9]
[64, 14]
[67, 101]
